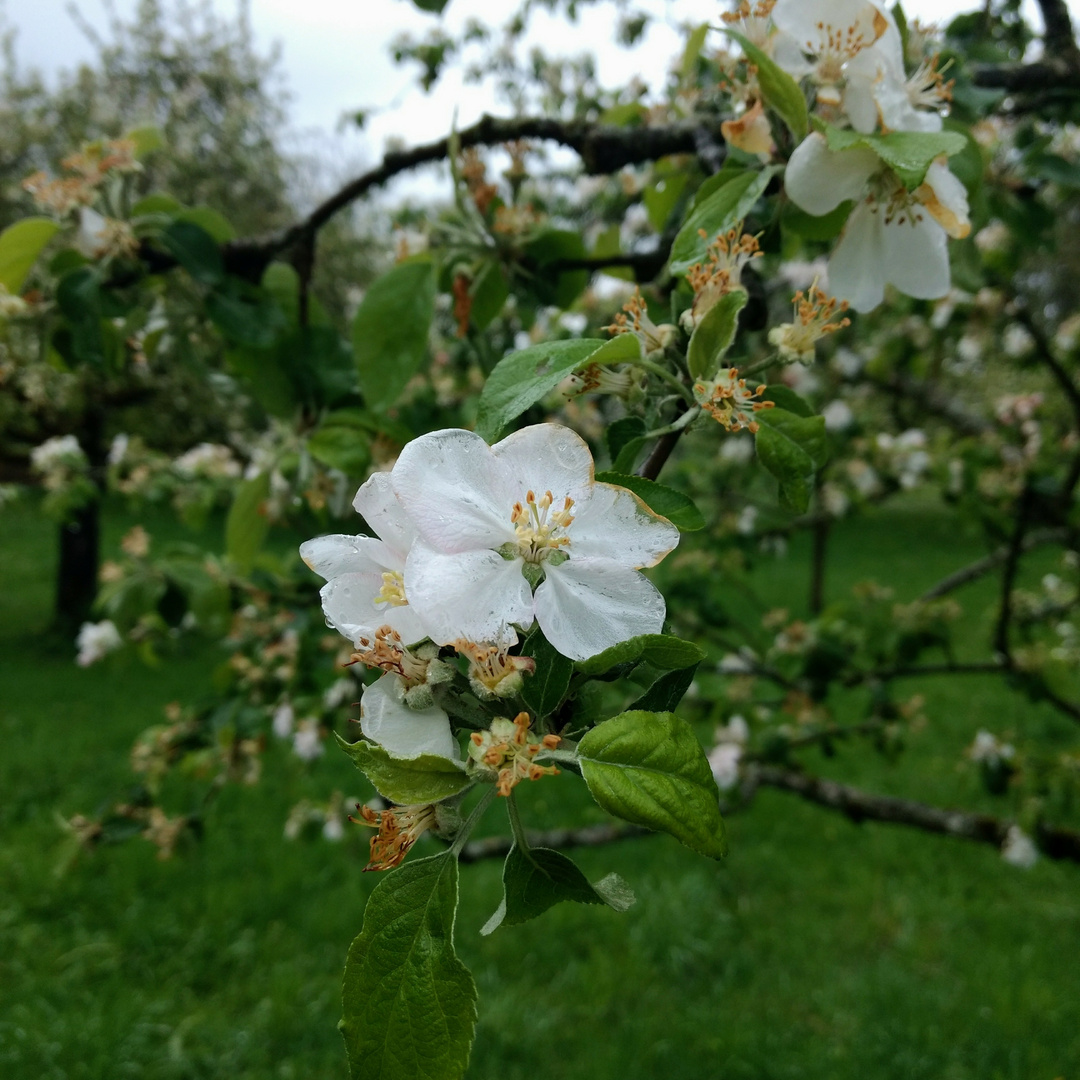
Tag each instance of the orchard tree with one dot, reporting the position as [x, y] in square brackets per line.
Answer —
[816, 272]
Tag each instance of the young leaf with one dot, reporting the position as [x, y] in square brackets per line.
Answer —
[524, 378]
[713, 336]
[785, 398]
[665, 694]
[390, 331]
[724, 208]
[535, 879]
[660, 650]
[648, 768]
[409, 1003]
[678, 508]
[622, 432]
[544, 690]
[553, 246]
[247, 525]
[20, 246]
[195, 250]
[908, 153]
[792, 448]
[428, 778]
[780, 91]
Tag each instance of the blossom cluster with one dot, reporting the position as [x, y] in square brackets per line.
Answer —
[474, 543]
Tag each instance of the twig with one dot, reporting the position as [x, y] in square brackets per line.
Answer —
[495, 847]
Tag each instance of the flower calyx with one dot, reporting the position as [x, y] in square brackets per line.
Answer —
[417, 667]
[506, 753]
[730, 401]
[493, 673]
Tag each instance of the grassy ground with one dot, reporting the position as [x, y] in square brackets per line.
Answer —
[819, 949]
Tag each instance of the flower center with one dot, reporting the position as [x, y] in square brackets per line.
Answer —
[398, 829]
[389, 653]
[540, 530]
[393, 589]
[508, 749]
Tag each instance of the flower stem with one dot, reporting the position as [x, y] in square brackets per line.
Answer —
[470, 822]
[668, 376]
[516, 827]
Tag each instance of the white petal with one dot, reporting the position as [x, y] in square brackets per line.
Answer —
[788, 53]
[810, 21]
[380, 508]
[330, 556]
[587, 605]
[349, 604]
[401, 731]
[945, 198]
[615, 524]
[546, 457]
[454, 490]
[857, 265]
[917, 257]
[470, 594]
[819, 179]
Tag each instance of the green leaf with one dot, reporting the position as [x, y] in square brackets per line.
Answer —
[147, 140]
[535, 879]
[489, 292]
[628, 455]
[553, 246]
[713, 336]
[720, 211]
[247, 524]
[78, 295]
[245, 314]
[648, 768]
[908, 153]
[196, 251]
[544, 690]
[434, 6]
[660, 650]
[341, 446]
[678, 508]
[780, 91]
[209, 221]
[826, 227]
[409, 1003]
[522, 379]
[665, 694]
[661, 196]
[156, 203]
[428, 778]
[694, 44]
[792, 448]
[390, 331]
[621, 432]
[20, 246]
[784, 397]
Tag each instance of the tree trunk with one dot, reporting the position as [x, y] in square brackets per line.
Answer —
[76, 575]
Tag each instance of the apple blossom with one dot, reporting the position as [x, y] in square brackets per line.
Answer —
[387, 718]
[486, 539]
[893, 236]
[365, 585]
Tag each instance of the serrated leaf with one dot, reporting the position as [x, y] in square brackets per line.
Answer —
[724, 208]
[660, 650]
[195, 250]
[713, 336]
[678, 508]
[523, 378]
[20, 246]
[390, 330]
[780, 91]
[908, 153]
[247, 523]
[648, 768]
[785, 398]
[428, 778]
[544, 690]
[665, 694]
[408, 1002]
[535, 879]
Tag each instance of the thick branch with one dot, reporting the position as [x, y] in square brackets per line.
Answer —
[1058, 37]
[864, 806]
[496, 847]
[1052, 75]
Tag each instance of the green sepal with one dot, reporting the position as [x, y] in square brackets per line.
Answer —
[648, 768]
[428, 778]
[535, 879]
[408, 1002]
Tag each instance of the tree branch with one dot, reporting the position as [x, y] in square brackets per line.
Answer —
[861, 806]
[496, 847]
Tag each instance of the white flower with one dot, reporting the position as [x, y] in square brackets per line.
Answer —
[283, 720]
[57, 452]
[307, 743]
[893, 236]
[737, 450]
[118, 448]
[96, 641]
[838, 416]
[210, 460]
[338, 693]
[487, 516]
[365, 575]
[101, 236]
[387, 719]
[724, 762]
[987, 750]
[1019, 849]
[333, 828]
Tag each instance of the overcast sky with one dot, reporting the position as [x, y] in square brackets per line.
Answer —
[335, 54]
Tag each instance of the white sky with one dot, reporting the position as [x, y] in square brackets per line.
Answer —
[335, 55]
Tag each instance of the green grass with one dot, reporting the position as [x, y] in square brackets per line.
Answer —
[818, 949]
